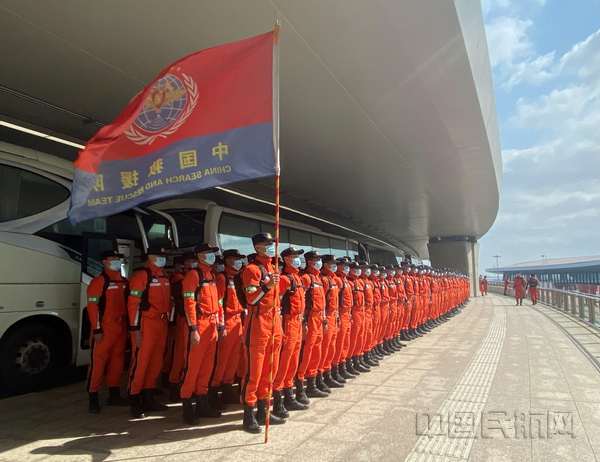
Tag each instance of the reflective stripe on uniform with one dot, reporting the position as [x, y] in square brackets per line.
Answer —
[93, 299]
[136, 293]
[189, 295]
[250, 289]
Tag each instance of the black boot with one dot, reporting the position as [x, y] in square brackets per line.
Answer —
[335, 375]
[228, 396]
[213, 399]
[290, 402]
[261, 414]
[417, 333]
[386, 350]
[312, 391]
[149, 404]
[165, 379]
[300, 393]
[321, 385]
[403, 336]
[362, 362]
[370, 361]
[203, 409]
[94, 407]
[358, 366]
[174, 393]
[250, 423]
[330, 381]
[344, 372]
[136, 406]
[115, 399]
[278, 407]
[392, 346]
[189, 416]
[376, 353]
[350, 367]
[400, 344]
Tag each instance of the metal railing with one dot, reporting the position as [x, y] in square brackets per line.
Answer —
[584, 307]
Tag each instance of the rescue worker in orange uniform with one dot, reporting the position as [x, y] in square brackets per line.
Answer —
[412, 289]
[107, 310]
[204, 315]
[261, 287]
[389, 334]
[484, 285]
[228, 349]
[176, 275]
[178, 324]
[332, 291]
[402, 304]
[519, 286]
[149, 306]
[532, 285]
[338, 369]
[369, 300]
[293, 304]
[358, 313]
[372, 316]
[506, 282]
[316, 321]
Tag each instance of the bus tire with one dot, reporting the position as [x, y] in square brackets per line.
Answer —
[31, 358]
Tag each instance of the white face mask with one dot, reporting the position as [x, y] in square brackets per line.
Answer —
[384, 275]
[375, 273]
[237, 265]
[296, 262]
[357, 272]
[270, 250]
[220, 268]
[367, 272]
[209, 258]
[333, 268]
[194, 265]
[346, 270]
[115, 265]
[318, 264]
[392, 273]
[160, 262]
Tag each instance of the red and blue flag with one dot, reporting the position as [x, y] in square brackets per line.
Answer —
[206, 120]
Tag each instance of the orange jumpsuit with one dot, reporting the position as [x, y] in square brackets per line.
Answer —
[257, 329]
[369, 291]
[402, 303]
[532, 285]
[314, 316]
[179, 319]
[506, 281]
[519, 286]
[409, 287]
[345, 305]
[149, 305]
[372, 313]
[228, 349]
[107, 310]
[292, 309]
[204, 315]
[358, 315]
[169, 357]
[390, 330]
[385, 309]
[332, 301]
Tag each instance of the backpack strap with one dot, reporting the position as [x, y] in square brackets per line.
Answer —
[145, 303]
[102, 302]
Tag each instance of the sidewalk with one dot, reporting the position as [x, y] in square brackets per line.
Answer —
[515, 385]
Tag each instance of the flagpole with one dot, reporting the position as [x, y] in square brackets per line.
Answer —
[277, 176]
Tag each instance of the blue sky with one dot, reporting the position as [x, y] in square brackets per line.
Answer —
[545, 57]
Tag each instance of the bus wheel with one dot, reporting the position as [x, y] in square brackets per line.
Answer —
[31, 358]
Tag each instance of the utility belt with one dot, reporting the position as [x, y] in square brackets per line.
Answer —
[261, 311]
[115, 319]
[299, 316]
[316, 314]
[233, 316]
[146, 314]
[211, 317]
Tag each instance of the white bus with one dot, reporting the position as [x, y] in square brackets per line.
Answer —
[48, 263]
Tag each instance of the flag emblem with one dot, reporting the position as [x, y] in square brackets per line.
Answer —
[169, 103]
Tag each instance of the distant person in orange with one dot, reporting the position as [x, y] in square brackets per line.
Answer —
[484, 285]
[519, 286]
[506, 281]
[481, 285]
[532, 286]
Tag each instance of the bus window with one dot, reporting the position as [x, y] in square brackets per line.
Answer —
[284, 238]
[236, 233]
[25, 193]
[338, 247]
[158, 230]
[190, 227]
[384, 257]
[321, 244]
[300, 239]
[353, 250]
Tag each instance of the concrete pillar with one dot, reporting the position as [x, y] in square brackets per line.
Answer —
[462, 255]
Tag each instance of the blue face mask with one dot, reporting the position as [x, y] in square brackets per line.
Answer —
[333, 268]
[115, 265]
[270, 250]
[375, 273]
[237, 265]
[296, 262]
[317, 264]
[220, 268]
[209, 258]
[160, 262]
[367, 272]
[346, 270]
[384, 275]
[194, 265]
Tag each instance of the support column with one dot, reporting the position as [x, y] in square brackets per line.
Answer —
[460, 253]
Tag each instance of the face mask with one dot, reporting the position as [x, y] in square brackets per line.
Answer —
[392, 273]
[375, 273]
[296, 262]
[357, 272]
[346, 270]
[367, 272]
[237, 265]
[194, 265]
[270, 251]
[317, 264]
[160, 262]
[115, 265]
[384, 275]
[220, 268]
[209, 258]
[333, 268]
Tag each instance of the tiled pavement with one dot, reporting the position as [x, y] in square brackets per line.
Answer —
[515, 385]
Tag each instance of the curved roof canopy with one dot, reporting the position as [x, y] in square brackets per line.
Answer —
[388, 120]
[591, 264]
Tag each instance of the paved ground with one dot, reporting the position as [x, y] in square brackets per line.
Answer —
[498, 383]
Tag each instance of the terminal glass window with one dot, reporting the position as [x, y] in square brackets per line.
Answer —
[23, 193]
[236, 233]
